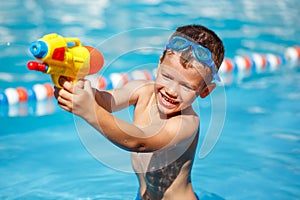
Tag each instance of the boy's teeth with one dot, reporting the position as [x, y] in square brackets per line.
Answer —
[169, 100]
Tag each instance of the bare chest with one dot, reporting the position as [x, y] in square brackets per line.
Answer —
[146, 114]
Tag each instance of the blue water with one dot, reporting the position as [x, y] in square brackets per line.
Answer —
[257, 155]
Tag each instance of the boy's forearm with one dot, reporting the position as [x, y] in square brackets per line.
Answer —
[121, 133]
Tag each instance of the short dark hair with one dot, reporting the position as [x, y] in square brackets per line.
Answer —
[205, 37]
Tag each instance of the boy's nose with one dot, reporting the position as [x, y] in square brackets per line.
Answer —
[172, 91]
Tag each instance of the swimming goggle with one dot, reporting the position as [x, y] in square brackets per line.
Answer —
[202, 54]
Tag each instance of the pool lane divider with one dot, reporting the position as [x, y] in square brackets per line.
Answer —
[230, 71]
[37, 92]
[236, 69]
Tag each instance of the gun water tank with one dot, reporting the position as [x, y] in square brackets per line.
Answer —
[96, 60]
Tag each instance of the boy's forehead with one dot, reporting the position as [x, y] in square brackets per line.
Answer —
[174, 61]
[191, 73]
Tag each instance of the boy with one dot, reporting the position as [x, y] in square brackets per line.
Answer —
[164, 133]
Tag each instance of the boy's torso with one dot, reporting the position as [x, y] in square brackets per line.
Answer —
[164, 173]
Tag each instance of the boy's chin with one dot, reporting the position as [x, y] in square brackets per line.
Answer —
[166, 111]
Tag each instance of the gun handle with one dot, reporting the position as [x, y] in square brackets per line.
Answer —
[55, 80]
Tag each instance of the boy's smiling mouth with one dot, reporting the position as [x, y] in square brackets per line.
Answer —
[167, 102]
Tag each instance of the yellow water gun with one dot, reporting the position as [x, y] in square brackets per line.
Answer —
[66, 57]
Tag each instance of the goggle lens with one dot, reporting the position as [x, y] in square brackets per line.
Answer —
[202, 54]
[180, 44]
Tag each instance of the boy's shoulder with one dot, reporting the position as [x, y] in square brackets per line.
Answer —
[135, 90]
[140, 86]
[143, 83]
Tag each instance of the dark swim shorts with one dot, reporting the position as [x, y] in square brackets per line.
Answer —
[138, 196]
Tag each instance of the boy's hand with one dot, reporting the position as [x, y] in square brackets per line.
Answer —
[78, 98]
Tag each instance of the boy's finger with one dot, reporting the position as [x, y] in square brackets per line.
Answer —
[87, 84]
[65, 94]
[63, 106]
[80, 84]
[68, 86]
[65, 83]
[64, 101]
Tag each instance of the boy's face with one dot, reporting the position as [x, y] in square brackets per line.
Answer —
[176, 87]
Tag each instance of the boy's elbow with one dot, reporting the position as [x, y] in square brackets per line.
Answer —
[140, 147]
[135, 146]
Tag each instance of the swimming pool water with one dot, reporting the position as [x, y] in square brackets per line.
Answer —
[257, 155]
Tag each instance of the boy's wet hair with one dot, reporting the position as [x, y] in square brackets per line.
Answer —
[203, 36]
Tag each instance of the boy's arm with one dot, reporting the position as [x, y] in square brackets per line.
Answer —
[120, 98]
[72, 98]
[80, 100]
[130, 137]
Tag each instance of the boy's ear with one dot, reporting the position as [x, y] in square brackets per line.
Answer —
[207, 90]
[160, 59]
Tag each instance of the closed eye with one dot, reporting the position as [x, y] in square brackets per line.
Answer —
[166, 76]
[187, 86]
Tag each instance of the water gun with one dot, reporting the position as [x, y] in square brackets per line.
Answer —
[66, 57]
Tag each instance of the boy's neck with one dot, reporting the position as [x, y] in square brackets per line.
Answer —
[181, 112]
